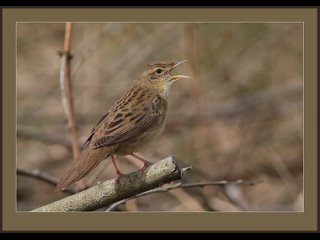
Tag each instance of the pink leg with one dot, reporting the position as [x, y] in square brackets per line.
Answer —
[146, 162]
[116, 167]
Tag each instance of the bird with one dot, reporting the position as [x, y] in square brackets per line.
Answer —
[136, 119]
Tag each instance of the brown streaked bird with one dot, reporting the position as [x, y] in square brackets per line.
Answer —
[133, 121]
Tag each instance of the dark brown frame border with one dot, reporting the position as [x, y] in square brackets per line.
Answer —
[13, 220]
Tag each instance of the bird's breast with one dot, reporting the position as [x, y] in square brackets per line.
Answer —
[137, 143]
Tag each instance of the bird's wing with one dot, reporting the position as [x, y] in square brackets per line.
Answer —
[128, 122]
[94, 129]
[110, 114]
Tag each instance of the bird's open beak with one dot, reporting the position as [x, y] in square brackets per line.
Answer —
[177, 77]
[178, 63]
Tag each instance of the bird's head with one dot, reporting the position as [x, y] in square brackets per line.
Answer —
[158, 76]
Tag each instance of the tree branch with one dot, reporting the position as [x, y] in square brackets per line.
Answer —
[182, 185]
[66, 91]
[67, 95]
[111, 191]
[42, 176]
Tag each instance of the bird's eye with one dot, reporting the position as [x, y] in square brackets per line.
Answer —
[158, 70]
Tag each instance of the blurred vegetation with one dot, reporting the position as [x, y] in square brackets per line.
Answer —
[239, 117]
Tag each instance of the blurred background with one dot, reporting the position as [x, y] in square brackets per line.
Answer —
[239, 117]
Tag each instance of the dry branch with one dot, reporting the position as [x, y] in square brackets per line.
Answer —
[111, 191]
[67, 94]
[181, 195]
[181, 185]
[42, 176]
[66, 91]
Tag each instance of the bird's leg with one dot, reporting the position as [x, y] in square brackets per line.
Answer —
[119, 173]
[146, 162]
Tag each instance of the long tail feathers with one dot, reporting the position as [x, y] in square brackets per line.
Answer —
[89, 160]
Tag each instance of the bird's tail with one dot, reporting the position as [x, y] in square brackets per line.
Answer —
[88, 160]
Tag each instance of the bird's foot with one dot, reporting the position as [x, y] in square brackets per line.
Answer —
[119, 174]
[145, 166]
[146, 162]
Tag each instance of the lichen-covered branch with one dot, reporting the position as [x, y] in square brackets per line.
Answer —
[111, 191]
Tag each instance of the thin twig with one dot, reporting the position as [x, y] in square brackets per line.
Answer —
[42, 176]
[65, 76]
[67, 95]
[62, 85]
[185, 185]
[67, 38]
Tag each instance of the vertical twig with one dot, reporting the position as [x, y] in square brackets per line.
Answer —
[66, 92]
[70, 113]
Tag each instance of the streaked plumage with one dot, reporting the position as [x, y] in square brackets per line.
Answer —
[133, 121]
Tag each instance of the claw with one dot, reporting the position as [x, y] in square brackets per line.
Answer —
[145, 166]
[118, 179]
